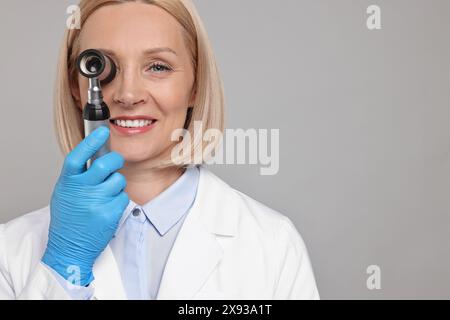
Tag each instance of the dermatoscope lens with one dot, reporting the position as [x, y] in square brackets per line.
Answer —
[94, 64]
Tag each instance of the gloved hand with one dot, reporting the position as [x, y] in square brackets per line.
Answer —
[86, 207]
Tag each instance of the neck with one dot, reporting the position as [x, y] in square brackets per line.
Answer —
[144, 184]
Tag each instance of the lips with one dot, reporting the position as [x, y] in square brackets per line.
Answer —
[132, 125]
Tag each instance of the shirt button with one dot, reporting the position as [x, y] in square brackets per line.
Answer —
[136, 212]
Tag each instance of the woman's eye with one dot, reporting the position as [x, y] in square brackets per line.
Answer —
[159, 67]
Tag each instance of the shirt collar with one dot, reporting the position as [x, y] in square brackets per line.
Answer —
[167, 208]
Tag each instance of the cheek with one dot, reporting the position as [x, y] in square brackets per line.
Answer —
[173, 118]
[171, 99]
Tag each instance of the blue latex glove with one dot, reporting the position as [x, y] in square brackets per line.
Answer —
[86, 208]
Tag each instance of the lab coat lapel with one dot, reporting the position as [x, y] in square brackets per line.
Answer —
[194, 255]
[196, 251]
[107, 282]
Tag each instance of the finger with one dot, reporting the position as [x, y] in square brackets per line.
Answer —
[75, 161]
[117, 206]
[102, 167]
[113, 185]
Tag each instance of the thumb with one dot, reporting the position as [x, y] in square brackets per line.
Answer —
[75, 161]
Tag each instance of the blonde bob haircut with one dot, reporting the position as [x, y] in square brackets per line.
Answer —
[208, 106]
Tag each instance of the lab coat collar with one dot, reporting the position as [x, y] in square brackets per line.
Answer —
[196, 251]
[166, 209]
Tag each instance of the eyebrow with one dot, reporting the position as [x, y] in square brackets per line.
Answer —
[146, 52]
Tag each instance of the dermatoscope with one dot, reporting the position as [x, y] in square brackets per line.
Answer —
[100, 70]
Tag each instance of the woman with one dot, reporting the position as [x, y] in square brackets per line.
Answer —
[137, 224]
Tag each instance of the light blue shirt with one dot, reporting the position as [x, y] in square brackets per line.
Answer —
[145, 236]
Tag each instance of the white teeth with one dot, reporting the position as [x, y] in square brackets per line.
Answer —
[133, 123]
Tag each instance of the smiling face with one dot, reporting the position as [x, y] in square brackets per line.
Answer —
[150, 82]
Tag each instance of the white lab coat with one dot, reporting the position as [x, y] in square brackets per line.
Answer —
[229, 247]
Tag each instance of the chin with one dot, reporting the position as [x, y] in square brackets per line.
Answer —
[140, 151]
[136, 153]
[135, 158]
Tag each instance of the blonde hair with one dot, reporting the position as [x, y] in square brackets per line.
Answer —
[209, 102]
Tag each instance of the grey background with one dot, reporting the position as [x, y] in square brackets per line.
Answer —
[363, 118]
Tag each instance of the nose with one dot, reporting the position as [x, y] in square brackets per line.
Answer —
[130, 90]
